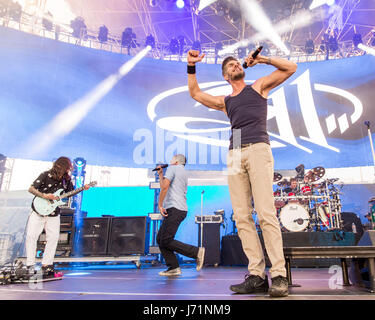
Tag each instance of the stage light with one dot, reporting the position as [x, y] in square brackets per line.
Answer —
[173, 46]
[234, 15]
[79, 28]
[333, 44]
[372, 43]
[15, 11]
[218, 47]
[150, 41]
[357, 39]
[103, 34]
[196, 46]
[366, 49]
[47, 21]
[128, 39]
[220, 8]
[180, 4]
[309, 46]
[181, 45]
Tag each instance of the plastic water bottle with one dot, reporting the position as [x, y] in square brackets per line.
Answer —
[354, 228]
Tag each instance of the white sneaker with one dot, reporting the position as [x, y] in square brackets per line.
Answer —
[200, 258]
[170, 272]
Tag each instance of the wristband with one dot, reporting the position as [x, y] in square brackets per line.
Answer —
[191, 69]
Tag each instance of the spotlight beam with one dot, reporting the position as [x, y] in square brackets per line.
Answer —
[255, 15]
[205, 3]
[367, 49]
[58, 127]
[301, 19]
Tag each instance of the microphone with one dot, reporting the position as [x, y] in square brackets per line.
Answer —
[162, 167]
[254, 55]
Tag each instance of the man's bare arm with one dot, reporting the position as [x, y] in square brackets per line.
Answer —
[213, 102]
[285, 69]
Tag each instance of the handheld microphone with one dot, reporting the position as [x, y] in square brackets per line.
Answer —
[161, 167]
[254, 55]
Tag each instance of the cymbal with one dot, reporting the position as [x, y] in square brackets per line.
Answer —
[315, 174]
[277, 176]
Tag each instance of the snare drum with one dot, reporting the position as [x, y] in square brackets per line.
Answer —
[294, 217]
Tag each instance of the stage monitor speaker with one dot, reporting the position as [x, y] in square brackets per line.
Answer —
[211, 242]
[368, 238]
[359, 268]
[93, 236]
[129, 235]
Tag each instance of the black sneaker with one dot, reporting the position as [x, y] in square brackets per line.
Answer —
[279, 287]
[252, 284]
[48, 271]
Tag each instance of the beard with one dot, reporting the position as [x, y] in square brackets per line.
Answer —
[238, 76]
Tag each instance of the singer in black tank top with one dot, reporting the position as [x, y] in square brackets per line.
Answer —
[248, 111]
[250, 165]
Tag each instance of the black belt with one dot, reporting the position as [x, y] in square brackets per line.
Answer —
[244, 145]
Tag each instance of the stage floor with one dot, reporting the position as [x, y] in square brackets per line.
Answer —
[130, 283]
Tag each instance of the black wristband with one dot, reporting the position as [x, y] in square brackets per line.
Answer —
[191, 69]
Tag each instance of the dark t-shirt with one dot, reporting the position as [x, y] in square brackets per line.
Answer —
[46, 184]
[247, 111]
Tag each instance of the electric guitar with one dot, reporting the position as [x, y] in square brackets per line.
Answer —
[45, 207]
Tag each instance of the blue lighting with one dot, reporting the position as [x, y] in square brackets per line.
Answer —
[180, 4]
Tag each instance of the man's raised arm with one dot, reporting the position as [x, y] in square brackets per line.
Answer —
[214, 102]
[285, 69]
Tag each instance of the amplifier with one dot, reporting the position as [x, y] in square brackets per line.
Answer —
[210, 218]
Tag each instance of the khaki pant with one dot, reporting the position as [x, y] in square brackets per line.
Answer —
[250, 176]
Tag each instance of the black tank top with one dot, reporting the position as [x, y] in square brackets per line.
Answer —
[248, 111]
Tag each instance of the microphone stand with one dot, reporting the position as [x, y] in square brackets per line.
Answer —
[367, 123]
[201, 244]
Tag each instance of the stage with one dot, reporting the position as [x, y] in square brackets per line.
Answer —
[129, 283]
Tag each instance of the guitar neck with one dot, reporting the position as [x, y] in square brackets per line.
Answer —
[71, 193]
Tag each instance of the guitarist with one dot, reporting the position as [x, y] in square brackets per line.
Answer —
[44, 187]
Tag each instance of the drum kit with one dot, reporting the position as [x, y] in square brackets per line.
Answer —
[306, 204]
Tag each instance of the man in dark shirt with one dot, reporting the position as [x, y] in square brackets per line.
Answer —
[250, 164]
[44, 187]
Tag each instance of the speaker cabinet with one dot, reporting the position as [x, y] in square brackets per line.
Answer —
[93, 236]
[211, 242]
[129, 235]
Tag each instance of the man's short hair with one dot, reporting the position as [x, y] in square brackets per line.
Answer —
[225, 62]
[293, 179]
[180, 158]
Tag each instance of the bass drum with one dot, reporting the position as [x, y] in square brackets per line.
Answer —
[294, 217]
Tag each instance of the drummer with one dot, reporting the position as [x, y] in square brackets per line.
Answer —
[293, 188]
